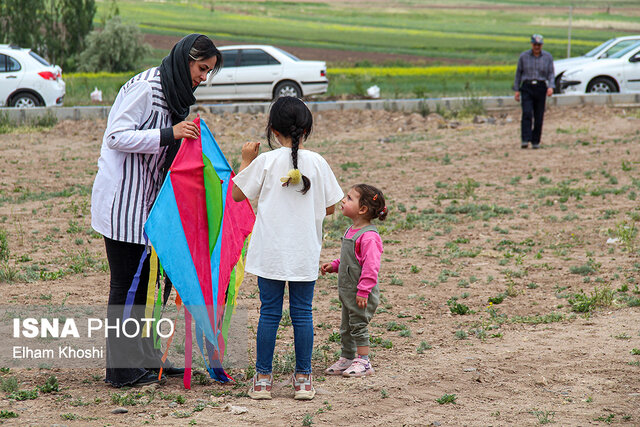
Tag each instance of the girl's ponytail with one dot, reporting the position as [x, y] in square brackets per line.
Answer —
[295, 143]
[291, 118]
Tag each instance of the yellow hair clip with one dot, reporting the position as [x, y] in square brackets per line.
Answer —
[293, 177]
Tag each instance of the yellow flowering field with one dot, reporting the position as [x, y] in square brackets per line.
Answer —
[437, 71]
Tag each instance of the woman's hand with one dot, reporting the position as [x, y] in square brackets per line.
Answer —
[362, 301]
[187, 130]
[250, 151]
[326, 268]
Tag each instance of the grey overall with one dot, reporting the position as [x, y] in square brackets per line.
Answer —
[353, 329]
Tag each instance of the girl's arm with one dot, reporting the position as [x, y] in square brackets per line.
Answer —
[237, 194]
[369, 255]
[249, 153]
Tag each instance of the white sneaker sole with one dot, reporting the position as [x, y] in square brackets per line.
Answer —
[260, 395]
[305, 395]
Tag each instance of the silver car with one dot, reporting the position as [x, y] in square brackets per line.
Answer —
[605, 50]
[263, 72]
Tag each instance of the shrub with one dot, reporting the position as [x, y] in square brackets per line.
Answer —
[4, 246]
[116, 48]
[497, 299]
[9, 385]
[51, 385]
[4, 414]
[457, 308]
[600, 297]
[446, 398]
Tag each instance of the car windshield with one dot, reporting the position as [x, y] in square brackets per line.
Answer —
[39, 58]
[597, 50]
[623, 52]
[287, 54]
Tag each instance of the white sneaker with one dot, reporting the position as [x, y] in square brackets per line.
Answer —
[261, 389]
[303, 388]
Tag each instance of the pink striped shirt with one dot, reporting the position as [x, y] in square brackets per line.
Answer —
[368, 253]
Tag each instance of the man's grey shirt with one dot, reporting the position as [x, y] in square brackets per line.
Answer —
[531, 67]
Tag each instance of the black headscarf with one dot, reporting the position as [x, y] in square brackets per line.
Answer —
[175, 78]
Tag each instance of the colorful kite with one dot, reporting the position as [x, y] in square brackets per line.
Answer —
[198, 232]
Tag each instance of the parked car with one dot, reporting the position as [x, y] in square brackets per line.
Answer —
[605, 50]
[28, 80]
[619, 72]
[263, 72]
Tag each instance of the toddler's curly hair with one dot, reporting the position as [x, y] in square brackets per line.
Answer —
[373, 199]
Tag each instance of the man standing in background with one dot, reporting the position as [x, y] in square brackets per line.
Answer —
[533, 83]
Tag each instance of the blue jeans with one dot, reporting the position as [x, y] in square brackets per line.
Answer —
[300, 299]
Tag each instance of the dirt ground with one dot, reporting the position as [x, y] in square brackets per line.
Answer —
[472, 217]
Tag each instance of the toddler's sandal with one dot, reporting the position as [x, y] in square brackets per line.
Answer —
[339, 367]
[359, 368]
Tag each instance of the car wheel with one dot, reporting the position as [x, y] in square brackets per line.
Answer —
[287, 89]
[602, 85]
[25, 100]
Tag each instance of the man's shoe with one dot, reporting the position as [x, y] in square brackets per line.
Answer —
[535, 146]
[524, 144]
[149, 378]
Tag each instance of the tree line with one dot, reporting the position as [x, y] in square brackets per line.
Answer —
[62, 31]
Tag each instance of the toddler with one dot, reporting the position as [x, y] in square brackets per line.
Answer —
[358, 268]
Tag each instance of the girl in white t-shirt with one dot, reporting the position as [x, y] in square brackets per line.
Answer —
[295, 189]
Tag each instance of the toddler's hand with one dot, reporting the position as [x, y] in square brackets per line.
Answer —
[250, 152]
[326, 268]
[362, 301]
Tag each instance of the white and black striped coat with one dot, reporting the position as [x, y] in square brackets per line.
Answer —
[129, 176]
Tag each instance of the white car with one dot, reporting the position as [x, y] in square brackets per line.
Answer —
[263, 72]
[617, 73]
[28, 80]
[605, 50]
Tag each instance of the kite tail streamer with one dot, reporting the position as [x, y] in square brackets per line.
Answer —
[200, 341]
[188, 349]
[239, 270]
[157, 312]
[216, 370]
[151, 289]
[170, 340]
[226, 323]
[131, 295]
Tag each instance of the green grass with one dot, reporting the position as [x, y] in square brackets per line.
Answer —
[446, 398]
[452, 35]
[80, 85]
[416, 29]
[5, 414]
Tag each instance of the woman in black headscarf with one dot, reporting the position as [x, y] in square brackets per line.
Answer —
[144, 130]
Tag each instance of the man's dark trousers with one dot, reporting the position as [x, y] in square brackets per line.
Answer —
[532, 98]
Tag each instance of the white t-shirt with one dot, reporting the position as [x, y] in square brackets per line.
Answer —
[287, 235]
